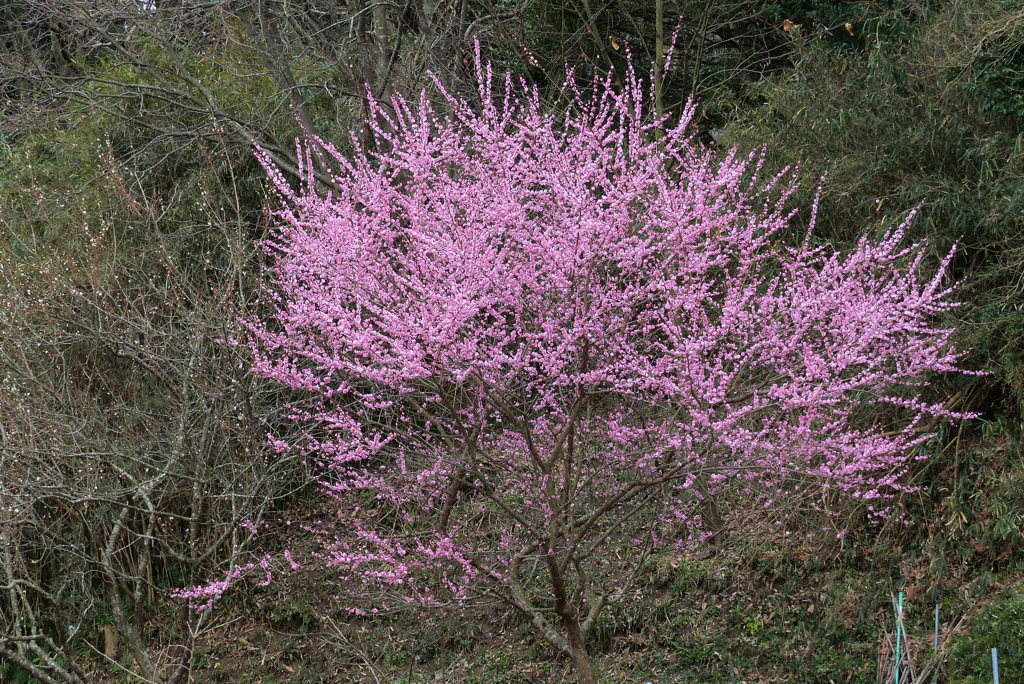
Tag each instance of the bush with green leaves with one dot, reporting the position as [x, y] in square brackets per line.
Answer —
[1000, 625]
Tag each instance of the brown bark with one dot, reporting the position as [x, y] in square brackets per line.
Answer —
[580, 658]
[570, 620]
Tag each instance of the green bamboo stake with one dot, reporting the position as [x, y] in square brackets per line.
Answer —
[899, 631]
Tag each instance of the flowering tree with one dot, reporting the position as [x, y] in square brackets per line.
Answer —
[536, 344]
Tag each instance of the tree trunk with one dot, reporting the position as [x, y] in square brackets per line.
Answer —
[573, 641]
[580, 659]
[584, 668]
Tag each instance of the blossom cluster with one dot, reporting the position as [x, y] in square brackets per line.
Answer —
[530, 338]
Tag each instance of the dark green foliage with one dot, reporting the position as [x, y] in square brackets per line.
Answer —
[999, 624]
[898, 125]
[969, 516]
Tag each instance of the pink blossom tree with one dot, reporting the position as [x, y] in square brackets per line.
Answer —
[534, 345]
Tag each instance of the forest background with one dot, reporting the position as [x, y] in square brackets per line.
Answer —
[133, 443]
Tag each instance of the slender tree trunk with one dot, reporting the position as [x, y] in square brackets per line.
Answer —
[580, 658]
[571, 621]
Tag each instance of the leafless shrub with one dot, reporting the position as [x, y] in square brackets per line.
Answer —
[132, 443]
